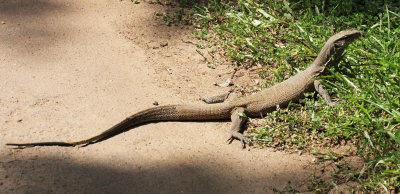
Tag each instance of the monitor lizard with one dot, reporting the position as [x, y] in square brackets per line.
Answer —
[255, 105]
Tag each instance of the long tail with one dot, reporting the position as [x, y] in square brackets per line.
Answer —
[162, 113]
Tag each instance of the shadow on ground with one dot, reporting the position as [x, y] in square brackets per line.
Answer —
[57, 175]
[30, 25]
[28, 8]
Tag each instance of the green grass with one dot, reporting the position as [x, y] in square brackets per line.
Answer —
[284, 37]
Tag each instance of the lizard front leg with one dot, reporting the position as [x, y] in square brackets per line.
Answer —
[236, 128]
[324, 93]
[218, 98]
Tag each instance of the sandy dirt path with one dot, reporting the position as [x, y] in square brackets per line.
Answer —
[71, 69]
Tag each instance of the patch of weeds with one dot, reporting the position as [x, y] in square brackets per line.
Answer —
[285, 36]
[287, 189]
[176, 17]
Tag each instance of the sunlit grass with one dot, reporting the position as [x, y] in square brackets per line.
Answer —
[285, 37]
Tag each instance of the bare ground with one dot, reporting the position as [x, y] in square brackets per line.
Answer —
[71, 69]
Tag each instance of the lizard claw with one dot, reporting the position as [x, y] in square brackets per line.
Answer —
[230, 140]
[238, 136]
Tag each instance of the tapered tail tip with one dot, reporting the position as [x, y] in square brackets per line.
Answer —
[26, 145]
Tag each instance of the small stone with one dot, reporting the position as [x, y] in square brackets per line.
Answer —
[164, 44]
[3, 22]
[155, 103]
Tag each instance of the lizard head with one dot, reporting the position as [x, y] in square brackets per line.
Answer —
[334, 47]
[341, 40]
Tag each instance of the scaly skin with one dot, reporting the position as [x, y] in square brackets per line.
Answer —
[280, 94]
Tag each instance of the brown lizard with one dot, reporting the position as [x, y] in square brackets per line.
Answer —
[280, 95]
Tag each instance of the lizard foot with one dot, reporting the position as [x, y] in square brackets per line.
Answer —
[238, 136]
[332, 104]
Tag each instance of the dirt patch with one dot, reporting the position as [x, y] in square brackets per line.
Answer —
[71, 69]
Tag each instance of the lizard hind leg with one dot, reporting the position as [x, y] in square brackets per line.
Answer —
[236, 128]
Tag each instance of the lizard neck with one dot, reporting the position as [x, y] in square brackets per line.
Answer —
[328, 56]
[324, 59]
[316, 68]
[332, 51]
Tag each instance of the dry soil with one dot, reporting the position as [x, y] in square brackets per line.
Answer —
[71, 69]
